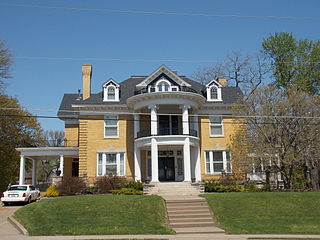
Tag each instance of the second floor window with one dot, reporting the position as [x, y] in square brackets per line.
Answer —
[111, 126]
[216, 127]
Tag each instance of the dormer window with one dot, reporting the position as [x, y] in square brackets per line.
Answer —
[214, 91]
[163, 86]
[111, 91]
[111, 95]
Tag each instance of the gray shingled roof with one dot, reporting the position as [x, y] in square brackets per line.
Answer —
[127, 89]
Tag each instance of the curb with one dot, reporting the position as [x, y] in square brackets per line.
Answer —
[18, 226]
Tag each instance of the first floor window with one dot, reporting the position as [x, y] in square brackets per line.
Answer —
[110, 164]
[218, 162]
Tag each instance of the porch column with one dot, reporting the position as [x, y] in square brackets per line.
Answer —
[154, 120]
[197, 170]
[34, 172]
[186, 160]
[22, 169]
[61, 165]
[136, 125]
[137, 163]
[154, 161]
[185, 119]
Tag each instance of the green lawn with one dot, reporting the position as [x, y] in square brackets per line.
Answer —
[95, 214]
[268, 212]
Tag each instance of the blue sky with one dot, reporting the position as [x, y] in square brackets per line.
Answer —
[63, 33]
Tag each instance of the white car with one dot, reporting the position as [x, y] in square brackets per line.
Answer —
[20, 193]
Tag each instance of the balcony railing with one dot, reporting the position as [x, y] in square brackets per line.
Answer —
[153, 89]
[167, 131]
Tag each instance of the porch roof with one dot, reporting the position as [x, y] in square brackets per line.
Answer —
[34, 152]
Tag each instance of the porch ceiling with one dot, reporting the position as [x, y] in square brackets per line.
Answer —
[48, 151]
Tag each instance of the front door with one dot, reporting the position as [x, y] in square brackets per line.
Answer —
[166, 169]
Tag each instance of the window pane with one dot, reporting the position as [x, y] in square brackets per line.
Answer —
[217, 156]
[229, 166]
[111, 120]
[111, 158]
[208, 167]
[111, 170]
[121, 164]
[207, 157]
[215, 120]
[216, 130]
[111, 96]
[100, 164]
[217, 167]
[214, 93]
[111, 90]
[111, 131]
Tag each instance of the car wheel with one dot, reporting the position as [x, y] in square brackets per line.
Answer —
[29, 200]
[5, 203]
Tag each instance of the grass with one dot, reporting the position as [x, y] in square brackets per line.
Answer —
[278, 213]
[95, 215]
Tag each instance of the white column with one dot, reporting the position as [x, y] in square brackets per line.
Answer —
[185, 119]
[136, 125]
[61, 165]
[34, 172]
[154, 120]
[197, 170]
[22, 169]
[137, 163]
[186, 160]
[154, 161]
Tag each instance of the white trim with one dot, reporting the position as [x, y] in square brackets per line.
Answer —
[104, 163]
[106, 86]
[211, 162]
[116, 118]
[209, 98]
[217, 125]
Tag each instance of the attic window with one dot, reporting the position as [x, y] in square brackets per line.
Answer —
[214, 93]
[111, 95]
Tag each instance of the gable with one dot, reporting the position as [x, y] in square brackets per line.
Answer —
[164, 71]
[214, 82]
[110, 82]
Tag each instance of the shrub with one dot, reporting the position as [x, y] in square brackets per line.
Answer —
[107, 183]
[133, 184]
[51, 192]
[217, 186]
[127, 191]
[71, 186]
[90, 190]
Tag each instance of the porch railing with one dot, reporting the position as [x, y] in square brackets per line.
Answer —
[167, 131]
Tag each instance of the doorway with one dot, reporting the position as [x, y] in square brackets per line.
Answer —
[166, 169]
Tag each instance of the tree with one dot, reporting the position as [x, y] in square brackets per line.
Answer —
[5, 63]
[18, 128]
[45, 167]
[285, 128]
[293, 62]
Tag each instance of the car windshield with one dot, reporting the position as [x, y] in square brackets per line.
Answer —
[17, 188]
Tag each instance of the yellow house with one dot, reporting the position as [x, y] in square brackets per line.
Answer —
[160, 127]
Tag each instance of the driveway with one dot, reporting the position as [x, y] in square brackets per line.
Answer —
[7, 231]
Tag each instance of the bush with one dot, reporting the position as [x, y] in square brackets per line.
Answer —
[90, 190]
[71, 186]
[217, 186]
[51, 192]
[107, 183]
[127, 191]
[134, 185]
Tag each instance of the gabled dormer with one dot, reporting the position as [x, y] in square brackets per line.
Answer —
[111, 90]
[163, 80]
[213, 89]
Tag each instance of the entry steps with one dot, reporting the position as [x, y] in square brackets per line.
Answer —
[187, 212]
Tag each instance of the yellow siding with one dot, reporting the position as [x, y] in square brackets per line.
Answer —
[92, 141]
[71, 134]
[214, 143]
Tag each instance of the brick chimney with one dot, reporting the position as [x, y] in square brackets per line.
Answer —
[222, 81]
[86, 80]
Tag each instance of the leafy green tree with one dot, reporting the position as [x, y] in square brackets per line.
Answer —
[294, 62]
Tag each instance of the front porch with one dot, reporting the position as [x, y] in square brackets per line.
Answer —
[45, 153]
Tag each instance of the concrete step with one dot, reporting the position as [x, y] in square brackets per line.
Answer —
[189, 211]
[194, 224]
[189, 215]
[191, 200]
[198, 230]
[190, 220]
[182, 208]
